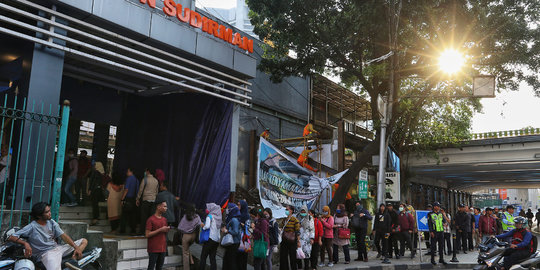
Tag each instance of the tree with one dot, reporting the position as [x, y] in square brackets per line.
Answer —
[370, 43]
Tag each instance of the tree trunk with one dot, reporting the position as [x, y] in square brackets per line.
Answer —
[351, 176]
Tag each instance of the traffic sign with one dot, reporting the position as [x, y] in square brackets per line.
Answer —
[363, 185]
[422, 220]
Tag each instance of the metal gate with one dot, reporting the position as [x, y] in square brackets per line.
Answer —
[32, 142]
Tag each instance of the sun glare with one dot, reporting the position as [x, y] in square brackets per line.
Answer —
[451, 61]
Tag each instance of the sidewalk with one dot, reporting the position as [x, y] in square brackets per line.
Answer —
[466, 261]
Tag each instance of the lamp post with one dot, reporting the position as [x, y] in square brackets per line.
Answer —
[381, 179]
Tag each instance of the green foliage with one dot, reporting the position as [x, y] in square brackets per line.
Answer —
[498, 37]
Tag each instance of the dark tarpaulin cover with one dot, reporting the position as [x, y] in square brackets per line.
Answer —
[188, 136]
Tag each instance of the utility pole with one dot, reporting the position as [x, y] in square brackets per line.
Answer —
[393, 23]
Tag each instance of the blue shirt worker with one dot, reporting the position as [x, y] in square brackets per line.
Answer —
[521, 246]
[39, 240]
[436, 232]
[129, 208]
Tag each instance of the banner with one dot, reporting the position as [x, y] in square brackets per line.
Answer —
[393, 187]
[281, 181]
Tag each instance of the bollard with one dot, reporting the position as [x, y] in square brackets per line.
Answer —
[454, 258]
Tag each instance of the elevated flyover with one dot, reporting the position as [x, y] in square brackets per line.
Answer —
[497, 161]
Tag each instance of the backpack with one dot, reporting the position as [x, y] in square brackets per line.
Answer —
[356, 221]
[273, 233]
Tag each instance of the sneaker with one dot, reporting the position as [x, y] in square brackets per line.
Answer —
[378, 255]
[71, 266]
[386, 261]
[321, 264]
[330, 264]
[72, 204]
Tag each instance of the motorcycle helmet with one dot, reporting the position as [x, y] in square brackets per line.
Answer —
[520, 220]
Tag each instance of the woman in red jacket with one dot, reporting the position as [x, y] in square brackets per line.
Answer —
[317, 240]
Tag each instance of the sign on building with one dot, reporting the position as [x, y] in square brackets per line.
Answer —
[393, 188]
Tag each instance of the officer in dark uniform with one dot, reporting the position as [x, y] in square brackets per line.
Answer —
[436, 231]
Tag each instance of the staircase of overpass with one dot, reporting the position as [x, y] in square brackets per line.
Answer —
[503, 159]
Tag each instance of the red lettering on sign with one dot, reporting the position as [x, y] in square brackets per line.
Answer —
[169, 7]
[237, 40]
[225, 33]
[247, 44]
[213, 28]
[185, 17]
[196, 19]
[151, 3]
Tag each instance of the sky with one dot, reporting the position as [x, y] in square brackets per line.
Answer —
[216, 3]
[509, 110]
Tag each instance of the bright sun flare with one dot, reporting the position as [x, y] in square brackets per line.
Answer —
[451, 61]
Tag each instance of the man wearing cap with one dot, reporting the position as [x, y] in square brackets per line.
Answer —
[487, 225]
[462, 222]
[436, 231]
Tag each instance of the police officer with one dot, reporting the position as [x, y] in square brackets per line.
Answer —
[508, 219]
[436, 231]
[462, 221]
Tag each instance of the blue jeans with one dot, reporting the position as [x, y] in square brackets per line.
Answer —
[67, 189]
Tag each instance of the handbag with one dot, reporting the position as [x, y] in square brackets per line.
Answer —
[204, 235]
[259, 248]
[227, 240]
[344, 233]
[300, 254]
[289, 237]
[245, 242]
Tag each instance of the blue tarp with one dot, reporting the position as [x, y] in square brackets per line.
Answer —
[188, 136]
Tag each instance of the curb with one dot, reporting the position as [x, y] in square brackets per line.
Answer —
[415, 266]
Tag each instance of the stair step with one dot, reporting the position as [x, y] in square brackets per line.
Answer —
[139, 243]
[101, 228]
[170, 261]
[80, 216]
[130, 254]
[75, 209]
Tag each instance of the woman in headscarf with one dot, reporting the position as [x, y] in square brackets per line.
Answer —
[94, 190]
[328, 234]
[212, 222]
[341, 221]
[260, 232]
[245, 224]
[114, 202]
[307, 236]
[232, 226]
[189, 223]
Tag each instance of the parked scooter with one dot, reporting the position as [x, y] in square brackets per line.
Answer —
[492, 251]
[12, 257]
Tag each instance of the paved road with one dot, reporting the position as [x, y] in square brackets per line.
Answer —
[465, 261]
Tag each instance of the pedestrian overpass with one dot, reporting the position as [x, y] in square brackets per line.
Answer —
[507, 159]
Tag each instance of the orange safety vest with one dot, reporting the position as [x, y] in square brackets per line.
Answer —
[307, 130]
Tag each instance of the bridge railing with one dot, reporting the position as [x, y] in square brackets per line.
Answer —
[506, 133]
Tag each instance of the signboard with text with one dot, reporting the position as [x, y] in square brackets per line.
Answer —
[393, 188]
[363, 185]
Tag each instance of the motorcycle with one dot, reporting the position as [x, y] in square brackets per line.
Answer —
[492, 251]
[12, 257]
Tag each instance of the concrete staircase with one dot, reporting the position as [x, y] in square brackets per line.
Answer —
[132, 254]
[119, 252]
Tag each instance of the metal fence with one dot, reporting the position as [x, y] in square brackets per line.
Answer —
[32, 140]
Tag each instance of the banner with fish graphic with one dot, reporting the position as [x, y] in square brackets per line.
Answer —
[282, 181]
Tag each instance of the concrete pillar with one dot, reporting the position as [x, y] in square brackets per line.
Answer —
[35, 168]
[234, 145]
[100, 145]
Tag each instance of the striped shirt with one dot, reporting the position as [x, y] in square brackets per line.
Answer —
[292, 226]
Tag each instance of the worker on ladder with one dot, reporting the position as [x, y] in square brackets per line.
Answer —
[304, 157]
[309, 131]
[265, 134]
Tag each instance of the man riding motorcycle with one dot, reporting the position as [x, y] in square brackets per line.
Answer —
[41, 234]
[521, 246]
